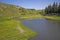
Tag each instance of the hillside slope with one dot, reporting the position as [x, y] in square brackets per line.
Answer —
[11, 29]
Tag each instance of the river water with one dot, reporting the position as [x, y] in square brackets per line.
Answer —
[46, 29]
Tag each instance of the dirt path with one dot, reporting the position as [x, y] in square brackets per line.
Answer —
[20, 29]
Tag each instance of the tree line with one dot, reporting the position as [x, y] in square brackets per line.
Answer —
[53, 9]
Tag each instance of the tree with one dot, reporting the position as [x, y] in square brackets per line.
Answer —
[46, 10]
[59, 9]
[53, 9]
[49, 9]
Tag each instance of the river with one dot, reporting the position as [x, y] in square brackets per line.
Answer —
[46, 29]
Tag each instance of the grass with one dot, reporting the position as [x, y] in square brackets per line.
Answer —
[8, 26]
[52, 17]
[31, 16]
[9, 31]
[41, 16]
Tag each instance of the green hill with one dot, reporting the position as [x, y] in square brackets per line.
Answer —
[11, 29]
[8, 11]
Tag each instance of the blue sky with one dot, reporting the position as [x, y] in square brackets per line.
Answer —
[36, 4]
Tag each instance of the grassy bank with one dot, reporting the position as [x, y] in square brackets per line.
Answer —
[9, 31]
[41, 16]
[31, 16]
[52, 17]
